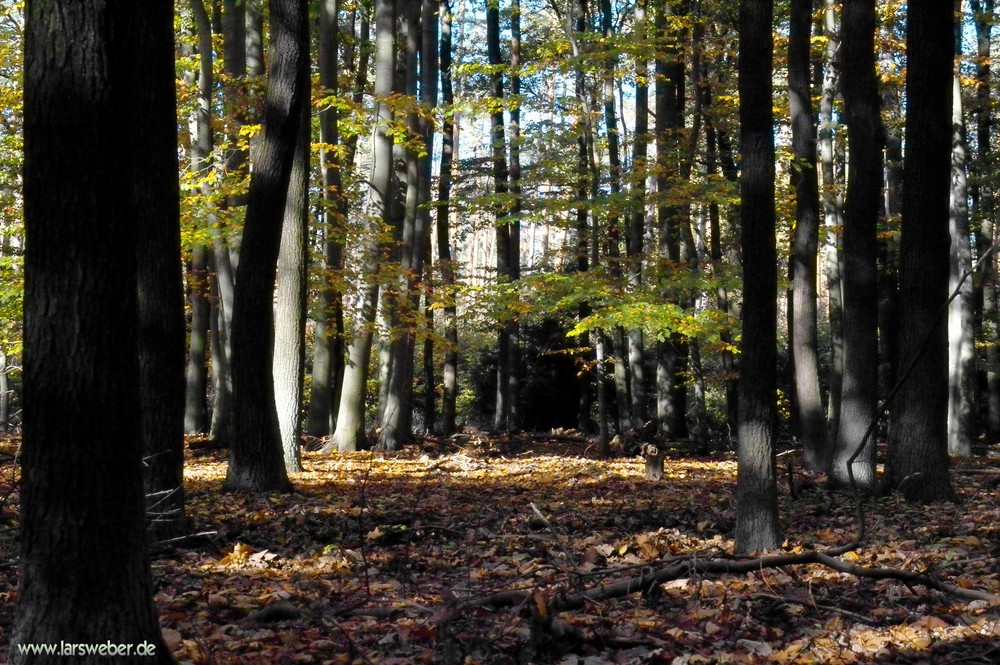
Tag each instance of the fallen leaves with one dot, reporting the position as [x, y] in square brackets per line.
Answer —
[383, 559]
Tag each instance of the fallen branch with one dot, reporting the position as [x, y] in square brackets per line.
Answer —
[694, 565]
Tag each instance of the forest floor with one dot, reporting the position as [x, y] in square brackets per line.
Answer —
[438, 555]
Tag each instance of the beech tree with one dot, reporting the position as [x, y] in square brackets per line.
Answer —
[90, 99]
[255, 460]
[757, 525]
[918, 442]
[804, 345]
[156, 193]
[859, 390]
[350, 431]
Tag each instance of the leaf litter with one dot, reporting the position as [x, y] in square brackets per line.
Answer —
[509, 551]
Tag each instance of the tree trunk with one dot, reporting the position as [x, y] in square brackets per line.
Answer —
[961, 328]
[757, 527]
[156, 194]
[918, 443]
[402, 305]
[449, 150]
[255, 460]
[328, 345]
[805, 346]
[202, 144]
[90, 99]
[196, 381]
[514, 178]
[832, 217]
[501, 418]
[860, 279]
[671, 360]
[637, 219]
[982, 194]
[618, 348]
[289, 354]
[351, 413]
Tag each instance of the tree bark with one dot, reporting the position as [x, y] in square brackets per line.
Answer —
[860, 279]
[89, 99]
[501, 418]
[156, 193]
[805, 345]
[328, 344]
[671, 352]
[918, 442]
[832, 217]
[757, 527]
[255, 460]
[449, 150]
[983, 196]
[637, 219]
[289, 354]
[961, 328]
[350, 433]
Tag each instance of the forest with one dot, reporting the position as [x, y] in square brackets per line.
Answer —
[499, 331]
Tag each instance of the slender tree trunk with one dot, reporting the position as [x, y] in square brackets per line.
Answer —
[255, 460]
[637, 219]
[501, 418]
[196, 382]
[805, 345]
[328, 346]
[98, 91]
[918, 451]
[255, 37]
[619, 351]
[514, 325]
[351, 413]
[669, 102]
[202, 143]
[961, 328]
[983, 194]
[832, 217]
[860, 280]
[449, 149]
[888, 323]
[289, 354]
[757, 527]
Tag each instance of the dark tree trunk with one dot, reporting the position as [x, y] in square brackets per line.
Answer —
[449, 147]
[671, 361]
[156, 195]
[196, 381]
[982, 194]
[637, 219]
[757, 525]
[255, 461]
[501, 418]
[328, 346]
[860, 280]
[91, 99]
[918, 443]
[514, 325]
[619, 349]
[805, 347]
